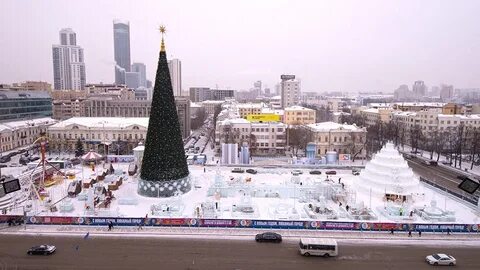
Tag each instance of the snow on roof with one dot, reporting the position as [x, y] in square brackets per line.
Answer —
[400, 113]
[297, 108]
[461, 116]
[250, 105]
[341, 113]
[421, 104]
[272, 111]
[327, 126]
[103, 122]
[235, 121]
[195, 105]
[27, 123]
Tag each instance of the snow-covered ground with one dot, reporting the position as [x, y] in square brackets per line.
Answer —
[271, 194]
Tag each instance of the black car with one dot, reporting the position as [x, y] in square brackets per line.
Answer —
[238, 170]
[252, 171]
[315, 172]
[268, 237]
[331, 172]
[42, 250]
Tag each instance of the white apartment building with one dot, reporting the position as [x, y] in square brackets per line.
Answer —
[175, 68]
[290, 89]
[114, 135]
[372, 115]
[68, 63]
[262, 138]
[340, 138]
[22, 133]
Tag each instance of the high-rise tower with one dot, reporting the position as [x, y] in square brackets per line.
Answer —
[175, 68]
[68, 63]
[164, 168]
[121, 44]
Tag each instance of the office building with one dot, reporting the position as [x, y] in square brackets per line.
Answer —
[68, 63]
[132, 79]
[175, 68]
[31, 86]
[199, 94]
[446, 92]
[16, 105]
[142, 70]
[297, 115]
[419, 89]
[121, 44]
[290, 90]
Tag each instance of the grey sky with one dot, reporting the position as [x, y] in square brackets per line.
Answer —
[330, 45]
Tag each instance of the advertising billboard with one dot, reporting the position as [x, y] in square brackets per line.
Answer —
[287, 77]
[263, 117]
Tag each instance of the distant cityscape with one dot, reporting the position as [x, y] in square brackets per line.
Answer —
[278, 121]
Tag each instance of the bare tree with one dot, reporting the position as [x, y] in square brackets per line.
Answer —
[298, 138]
[475, 147]
[356, 144]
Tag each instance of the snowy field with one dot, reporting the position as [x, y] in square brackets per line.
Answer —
[271, 194]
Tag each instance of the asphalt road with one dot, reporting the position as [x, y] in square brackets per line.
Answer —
[170, 253]
[438, 174]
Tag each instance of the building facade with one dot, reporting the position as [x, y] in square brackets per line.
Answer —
[290, 89]
[297, 115]
[262, 138]
[105, 135]
[340, 138]
[121, 46]
[68, 63]
[141, 69]
[17, 134]
[67, 103]
[16, 105]
[175, 68]
[110, 106]
[31, 86]
[199, 94]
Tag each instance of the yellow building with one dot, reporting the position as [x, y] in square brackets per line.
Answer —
[263, 118]
[297, 115]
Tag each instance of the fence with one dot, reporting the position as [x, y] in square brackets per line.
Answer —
[468, 198]
[246, 223]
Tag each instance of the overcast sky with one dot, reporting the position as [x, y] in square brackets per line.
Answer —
[329, 45]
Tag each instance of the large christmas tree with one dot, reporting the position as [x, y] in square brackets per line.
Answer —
[164, 167]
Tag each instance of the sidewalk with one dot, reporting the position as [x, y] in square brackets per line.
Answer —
[127, 231]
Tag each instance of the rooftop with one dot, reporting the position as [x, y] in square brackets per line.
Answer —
[26, 123]
[297, 108]
[22, 94]
[327, 126]
[103, 122]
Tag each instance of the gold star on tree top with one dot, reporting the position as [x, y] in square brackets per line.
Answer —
[162, 30]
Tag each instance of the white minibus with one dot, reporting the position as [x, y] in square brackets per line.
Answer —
[318, 247]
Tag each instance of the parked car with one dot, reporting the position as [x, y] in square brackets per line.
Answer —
[297, 172]
[331, 172]
[447, 163]
[433, 163]
[13, 164]
[315, 172]
[238, 170]
[355, 172]
[5, 159]
[268, 237]
[3, 165]
[441, 259]
[42, 250]
[252, 171]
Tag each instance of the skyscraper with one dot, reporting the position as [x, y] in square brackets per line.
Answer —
[121, 44]
[419, 89]
[290, 90]
[68, 63]
[175, 68]
[142, 70]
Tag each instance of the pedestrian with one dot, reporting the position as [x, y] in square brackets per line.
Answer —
[391, 230]
[409, 233]
[347, 207]
[204, 170]
[448, 231]
[343, 185]
[419, 233]
[109, 226]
